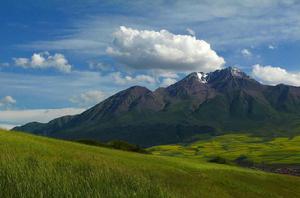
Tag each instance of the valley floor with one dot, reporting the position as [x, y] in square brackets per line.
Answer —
[32, 166]
[279, 155]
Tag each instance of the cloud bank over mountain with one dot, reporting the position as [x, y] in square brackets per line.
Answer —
[275, 75]
[12, 118]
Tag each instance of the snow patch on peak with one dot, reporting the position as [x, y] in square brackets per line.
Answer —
[202, 77]
[236, 72]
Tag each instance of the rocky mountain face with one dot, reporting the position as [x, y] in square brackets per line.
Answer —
[223, 101]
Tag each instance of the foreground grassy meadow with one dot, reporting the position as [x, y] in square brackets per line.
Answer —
[32, 166]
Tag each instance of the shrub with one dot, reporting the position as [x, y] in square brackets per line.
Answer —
[116, 144]
[243, 160]
[218, 160]
[122, 145]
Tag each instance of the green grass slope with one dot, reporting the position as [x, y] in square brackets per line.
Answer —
[232, 146]
[32, 166]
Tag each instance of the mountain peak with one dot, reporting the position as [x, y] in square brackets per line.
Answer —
[202, 77]
[226, 73]
[236, 72]
[199, 76]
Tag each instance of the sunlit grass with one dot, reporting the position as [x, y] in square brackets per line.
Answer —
[32, 166]
[232, 146]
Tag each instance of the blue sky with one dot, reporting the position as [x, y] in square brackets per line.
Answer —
[69, 55]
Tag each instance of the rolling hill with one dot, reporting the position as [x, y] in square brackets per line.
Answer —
[32, 166]
[213, 103]
[280, 155]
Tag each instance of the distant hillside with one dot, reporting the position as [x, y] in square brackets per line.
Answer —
[213, 103]
[280, 155]
[32, 166]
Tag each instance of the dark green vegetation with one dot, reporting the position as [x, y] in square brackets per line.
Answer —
[32, 166]
[240, 149]
[116, 144]
[213, 104]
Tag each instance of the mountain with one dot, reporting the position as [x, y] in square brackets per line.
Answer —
[219, 102]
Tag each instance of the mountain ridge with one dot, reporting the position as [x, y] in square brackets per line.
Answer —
[226, 100]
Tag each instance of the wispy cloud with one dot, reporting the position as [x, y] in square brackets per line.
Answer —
[11, 118]
[89, 98]
[168, 81]
[271, 47]
[5, 64]
[224, 24]
[191, 32]
[246, 52]
[55, 91]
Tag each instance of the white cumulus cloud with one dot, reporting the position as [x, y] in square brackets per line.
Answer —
[45, 60]
[275, 75]
[89, 98]
[7, 101]
[145, 49]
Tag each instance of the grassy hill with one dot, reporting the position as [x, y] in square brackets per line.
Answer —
[32, 166]
[231, 147]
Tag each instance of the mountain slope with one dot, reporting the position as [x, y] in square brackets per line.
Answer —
[32, 166]
[222, 101]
